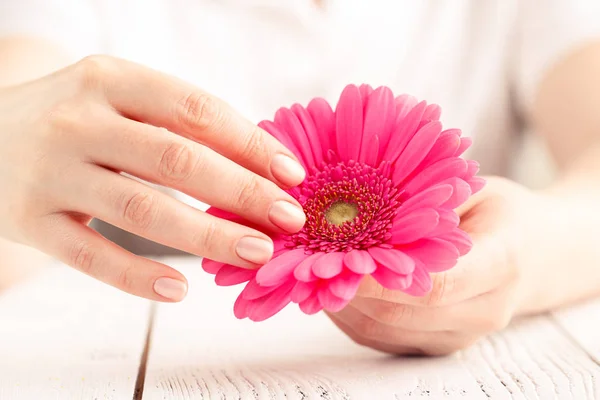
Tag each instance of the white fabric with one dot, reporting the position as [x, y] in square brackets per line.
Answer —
[480, 60]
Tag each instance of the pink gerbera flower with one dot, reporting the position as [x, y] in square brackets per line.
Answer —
[383, 182]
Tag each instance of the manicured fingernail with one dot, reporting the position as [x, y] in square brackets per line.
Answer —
[287, 216]
[254, 250]
[287, 170]
[171, 289]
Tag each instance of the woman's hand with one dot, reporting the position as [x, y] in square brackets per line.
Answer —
[503, 274]
[66, 138]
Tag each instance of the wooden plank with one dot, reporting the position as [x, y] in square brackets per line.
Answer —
[200, 351]
[582, 323]
[64, 335]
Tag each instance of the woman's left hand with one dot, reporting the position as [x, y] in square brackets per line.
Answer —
[480, 295]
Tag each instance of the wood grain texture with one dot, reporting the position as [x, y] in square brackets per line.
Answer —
[200, 351]
[64, 335]
[582, 323]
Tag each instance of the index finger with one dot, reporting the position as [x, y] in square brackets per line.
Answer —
[159, 99]
[483, 269]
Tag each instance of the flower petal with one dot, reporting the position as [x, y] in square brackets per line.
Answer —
[290, 123]
[345, 285]
[329, 301]
[433, 112]
[365, 90]
[436, 173]
[404, 103]
[404, 131]
[210, 266]
[414, 225]
[472, 169]
[265, 307]
[416, 150]
[217, 212]
[447, 222]
[432, 197]
[349, 123]
[436, 254]
[312, 134]
[240, 307]
[311, 306]
[303, 271]
[254, 291]
[391, 280]
[302, 290]
[359, 261]
[477, 183]
[328, 266]
[324, 119]
[230, 275]
[421, 282]
[465, 143]
[444, 147]
[280, 268]
[379, 121]
[460, 239]
[460, 194]
[393, 259]
[278, 133]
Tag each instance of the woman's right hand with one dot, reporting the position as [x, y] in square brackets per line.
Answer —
[66, 138]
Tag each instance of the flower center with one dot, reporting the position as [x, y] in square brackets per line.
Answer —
[341, 212]
[347, 206]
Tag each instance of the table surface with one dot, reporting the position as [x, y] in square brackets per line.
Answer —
[65, 336]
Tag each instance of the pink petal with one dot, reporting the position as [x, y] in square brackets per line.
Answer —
[359, 261]
[472, 169]
[465, 143]
[280, 269]
[433, 112]
[436, 254]
[404, 103]
[314, 139]
[445, 147]
[403, 132]
[254, 291]
[416, 150]
[270, 305]
[324, 119]
[330, 302]
[240, 307]
[379, 121]
[311, 306]
[345, 285]
[460, 239]
[328, 266]
[278, 133]
[421, 282]
[365, 90]
[393, 259]
[413, 226]
[290, 123]
[436, 173]
[391, 280]
[477, 183]
[302, 290]
[303, 271]
[210, 266]
[349, 123]
[461, 193]
[217, 212]
[229, 275]
[370, 151]
[447, 222]
[432, 197]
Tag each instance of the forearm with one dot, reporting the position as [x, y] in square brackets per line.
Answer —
[24, 59]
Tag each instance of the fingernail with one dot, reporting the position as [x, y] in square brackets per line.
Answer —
[171, 289]
[287, 216]
[287, 170]
[254, 250]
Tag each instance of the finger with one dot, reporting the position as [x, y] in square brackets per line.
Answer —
[484, 268]
[432, 343]
[482, 314]
[159, 99]
[79, 246]
[159, 156]
[146, 212]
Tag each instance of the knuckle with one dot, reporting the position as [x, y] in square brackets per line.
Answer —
[443, 288]
[208, 239]
[82, 256]
[253, 144]
[198, 110]
[92, 70]
[394, 313]
[140, 210]
[248, 194]
[177, 162]
[126, 279]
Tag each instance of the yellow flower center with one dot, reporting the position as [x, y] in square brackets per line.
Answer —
[341, 212]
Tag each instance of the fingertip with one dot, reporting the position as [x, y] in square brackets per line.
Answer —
[170, 289]
[287, 170]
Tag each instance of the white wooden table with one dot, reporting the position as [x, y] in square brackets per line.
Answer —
[66, 336]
